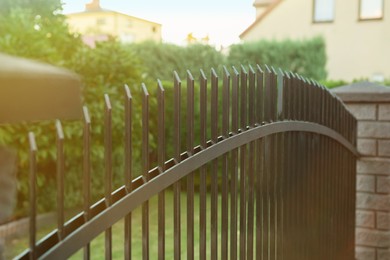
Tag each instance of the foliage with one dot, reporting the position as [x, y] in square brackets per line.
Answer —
[104, 70]
[36, 31]
[160, 60]
[333, 83]
[39, 31]
[307, 58]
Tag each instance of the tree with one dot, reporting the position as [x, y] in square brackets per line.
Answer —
[36, 29]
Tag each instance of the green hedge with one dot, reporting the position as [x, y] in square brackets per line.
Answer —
[307, 57]
[105, 69]
[161, 59]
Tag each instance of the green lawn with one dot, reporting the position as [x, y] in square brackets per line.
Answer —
[16, 246]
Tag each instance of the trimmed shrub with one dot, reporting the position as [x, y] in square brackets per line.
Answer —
[307, 57]
[161, 59]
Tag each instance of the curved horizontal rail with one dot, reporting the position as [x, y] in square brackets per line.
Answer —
[129, 202]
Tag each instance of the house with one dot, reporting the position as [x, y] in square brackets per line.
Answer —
[357, 33]
[98, 24]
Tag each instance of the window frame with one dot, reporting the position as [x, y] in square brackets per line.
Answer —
[360, 18]
[101, 21]
[322, 21]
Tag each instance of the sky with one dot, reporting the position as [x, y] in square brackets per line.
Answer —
[222, 20]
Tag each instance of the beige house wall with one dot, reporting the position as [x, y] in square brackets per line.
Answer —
[355, 49]
[127, 28]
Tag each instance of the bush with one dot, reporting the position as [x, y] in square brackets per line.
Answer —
[42, 34]
[308, 58]
[161, 59]
[333, 83]
[104, 70]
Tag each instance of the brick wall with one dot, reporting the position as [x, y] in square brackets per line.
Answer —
[370, 104]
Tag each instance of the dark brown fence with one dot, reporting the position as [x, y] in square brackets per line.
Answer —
[273, 179]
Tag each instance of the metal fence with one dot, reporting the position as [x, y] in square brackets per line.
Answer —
[274, 180]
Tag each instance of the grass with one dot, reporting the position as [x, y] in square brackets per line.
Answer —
[16, 246]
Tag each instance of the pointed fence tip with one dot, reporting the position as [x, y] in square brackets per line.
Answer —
[176, 77]
[226, 71]
[107, 102]
[127, 91]
[235, 71]
[33, 144]
[202, 75]
[144, 89]
[160, 86]
[243, 70]
[87, 118]
[189, 75]
[60, 132]
[214, 73]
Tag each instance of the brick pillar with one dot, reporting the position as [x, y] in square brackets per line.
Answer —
[370, 104]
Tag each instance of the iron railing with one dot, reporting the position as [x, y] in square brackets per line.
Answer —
[281, 168]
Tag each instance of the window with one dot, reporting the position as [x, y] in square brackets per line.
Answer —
[101, 21]
[323, 11]
[154, 29]
[370, 9]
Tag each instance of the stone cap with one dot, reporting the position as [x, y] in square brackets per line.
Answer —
[364, 91]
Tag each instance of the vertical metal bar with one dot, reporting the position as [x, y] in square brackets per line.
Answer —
[244, 99]
[316, 118]
[304, 169]
[108, 169]
[225, 161]
[33, 194]
[274, 111]
[243, 163]
[279, 162]
[214, 166]
[177, 158]
[161, 166]
[267, 94]
[234, 167]
[286, 216]
[252, 95]
[145, 171]
[308, 138]
[323, 180]
[128, 166]
[251, 173]
[259, 164]
[190, 177]
[324, 245]
[286, 140]
[203, 169]
[280, 98]
[225, 103]
[296, 164]
[335, 183]
[87, 171]
[268, 153]
[343, 183]
[327, 151]
[190, 113]
[260, 95]
[272, 148]
[60, 180]
[313, 104]
[296, 179]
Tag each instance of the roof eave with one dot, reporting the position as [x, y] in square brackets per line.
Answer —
[261, 17]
